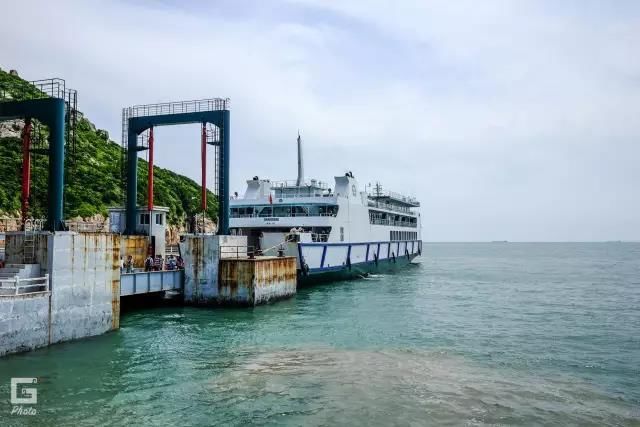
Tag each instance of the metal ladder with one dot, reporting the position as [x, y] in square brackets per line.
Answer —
[31, 227]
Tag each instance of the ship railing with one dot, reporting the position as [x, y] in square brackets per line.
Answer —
[248, 252]
[318, 237]
[395, 196]
[381, 221]
[389, 206]
[294, 183]
[300, 194]
[289, 215]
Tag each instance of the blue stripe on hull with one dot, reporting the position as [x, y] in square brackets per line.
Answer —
[356, 271]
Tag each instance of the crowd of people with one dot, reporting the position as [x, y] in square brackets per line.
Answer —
[151, 263]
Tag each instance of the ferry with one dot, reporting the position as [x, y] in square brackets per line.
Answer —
[336, 233]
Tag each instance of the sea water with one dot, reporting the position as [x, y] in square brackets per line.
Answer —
[471, 334]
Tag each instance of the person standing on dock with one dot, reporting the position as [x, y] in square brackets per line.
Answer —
[148, 263]
[129, 264]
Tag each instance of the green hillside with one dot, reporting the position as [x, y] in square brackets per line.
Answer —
[92, 181]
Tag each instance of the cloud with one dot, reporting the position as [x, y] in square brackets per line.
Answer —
[509, 120]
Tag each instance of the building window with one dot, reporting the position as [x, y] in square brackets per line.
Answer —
[158, 219]
[144, 219]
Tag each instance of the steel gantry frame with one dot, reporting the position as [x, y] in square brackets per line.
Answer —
[141, 118]
[51, 103]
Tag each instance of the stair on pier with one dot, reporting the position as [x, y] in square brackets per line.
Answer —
[9, 273]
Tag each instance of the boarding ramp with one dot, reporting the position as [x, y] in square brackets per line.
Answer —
[151, 281]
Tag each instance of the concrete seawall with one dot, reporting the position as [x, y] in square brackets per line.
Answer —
[81, 297]
[84, 296]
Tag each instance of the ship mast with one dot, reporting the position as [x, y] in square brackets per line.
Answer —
[300, 180]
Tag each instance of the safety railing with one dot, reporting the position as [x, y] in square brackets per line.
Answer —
[34, 224]
[294, 183]
[299, 194]
[150, 281]
[395, 196]
[172, 250]
[285, 215]
[315, 237]
[20, 286]
[237, 251]
[86, 227]
[181, 107]
[381, 221]
[389, 207]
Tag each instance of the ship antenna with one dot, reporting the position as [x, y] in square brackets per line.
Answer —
[300, 181]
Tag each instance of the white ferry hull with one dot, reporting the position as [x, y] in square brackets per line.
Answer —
[320, 262]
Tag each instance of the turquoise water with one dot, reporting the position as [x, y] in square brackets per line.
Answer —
[476, 334]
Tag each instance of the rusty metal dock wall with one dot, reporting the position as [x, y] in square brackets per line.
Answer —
[261, 280]
[219, 272]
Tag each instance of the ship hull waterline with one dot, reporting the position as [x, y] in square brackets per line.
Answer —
[355, 271]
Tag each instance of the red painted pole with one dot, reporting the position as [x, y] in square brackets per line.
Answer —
[150, 180]
[26, 168]
[203, 155]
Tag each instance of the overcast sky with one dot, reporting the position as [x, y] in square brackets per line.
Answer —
[509, 120]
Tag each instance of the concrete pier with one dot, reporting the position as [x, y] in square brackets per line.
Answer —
[81, 300]
[261, 280]
[218, 271]
[78, 290]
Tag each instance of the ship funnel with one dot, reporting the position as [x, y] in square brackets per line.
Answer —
[300, 180]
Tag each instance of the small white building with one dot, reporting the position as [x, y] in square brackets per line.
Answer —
[157, 222]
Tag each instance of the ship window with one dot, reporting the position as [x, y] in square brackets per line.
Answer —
[266, 211]
[342, 234]
[282, 211]
[300, 211]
